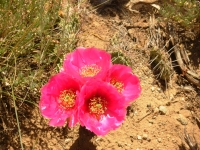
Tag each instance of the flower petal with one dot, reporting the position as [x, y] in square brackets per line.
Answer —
[56, 122]
[50, 105]
[115, 107]
[131, 84]
[93, 61]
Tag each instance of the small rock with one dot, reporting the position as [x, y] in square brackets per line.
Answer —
[148, 139]
[154, 117]
[183, 99]
[11, 148]
[159, 90]
[150, 121]
[148, 105]
[156, 110]
[131, 136]
[68, 140]
[159, 140]
[173, 140]
[168, 136]
[171, 96]
[31, 133]
[152, 88]
[120, 145]
[182, 119]
[139, 137]
[163, 110]
[145, 136]
[99, 148]
[168, 103]
[145, 130]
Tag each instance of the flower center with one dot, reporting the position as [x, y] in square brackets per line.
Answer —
[89, 70]
[117, 84]
[67, 99]
[97, 106]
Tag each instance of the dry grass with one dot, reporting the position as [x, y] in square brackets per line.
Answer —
[34, 36]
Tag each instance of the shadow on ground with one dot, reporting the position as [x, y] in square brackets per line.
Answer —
[84, 140]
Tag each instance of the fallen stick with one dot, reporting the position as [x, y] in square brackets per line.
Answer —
[190, 75]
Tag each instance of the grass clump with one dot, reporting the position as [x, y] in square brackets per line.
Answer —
[184, 12]
[33, 39]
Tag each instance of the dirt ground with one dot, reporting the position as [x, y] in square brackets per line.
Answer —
[157, 120]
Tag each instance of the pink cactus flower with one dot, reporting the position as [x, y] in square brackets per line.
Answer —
[128, 84]
[86, 63]
[101, 107]
[58, 100]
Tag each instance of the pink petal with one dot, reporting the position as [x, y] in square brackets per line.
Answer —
[49, 100]
[57, 122]
[123, 74]
[82, 57]
[114, 114]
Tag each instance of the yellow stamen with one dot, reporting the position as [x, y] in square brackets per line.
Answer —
[118, 85]
[67, 99]
[89, 70]
[97, 106]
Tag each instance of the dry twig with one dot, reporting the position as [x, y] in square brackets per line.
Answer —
[183, 61]
[192, 143]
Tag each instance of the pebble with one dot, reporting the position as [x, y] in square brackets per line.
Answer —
[173, 140]
[152, 88]
[154, 117]
[150, 121]
[120, 145]
[148, 139]
[183, 99]
[144, 136]
[99, 148]
[156, 110]
[168, 103]
[182, 119]
[159, 140]
[68, 140]
[159, 90]
[163, 110]
[11, 148]
[145, 130]
[148, 105]
[171, 96]
[139, 137]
